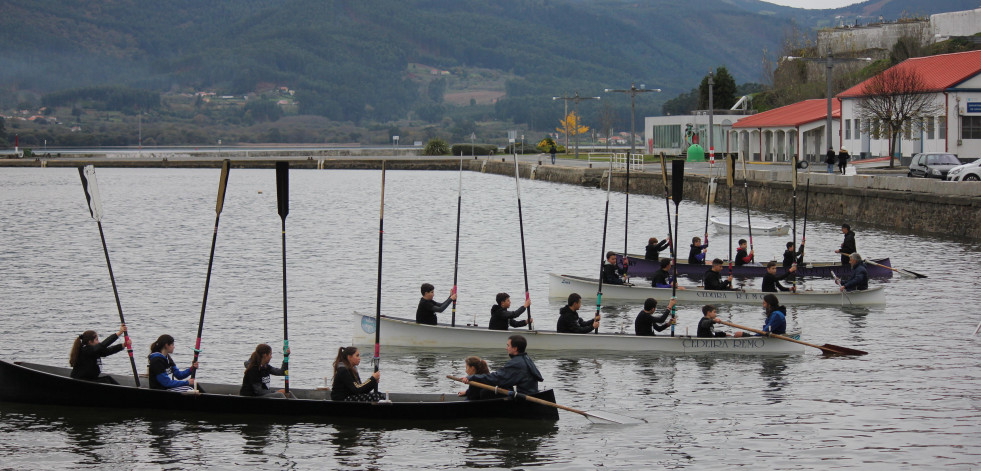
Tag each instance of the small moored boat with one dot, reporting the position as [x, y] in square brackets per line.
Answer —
[407, 333]
[561, 286]
[41, 384]
[723, 226]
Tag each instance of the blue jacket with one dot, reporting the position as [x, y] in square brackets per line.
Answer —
[777, 322]
[519, 371]
[161, 368]
[859, 279]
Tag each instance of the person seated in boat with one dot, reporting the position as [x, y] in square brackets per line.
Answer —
[662, 277]
[742, 256]
[771, 282]
[791, 256]
[347, 384]
[776, 317]
[613, 274]
[501, 317]
[255, 383]
[519, 371]
[706, 325]
[163, 372]
[654, 248]
[860, 275]
[646, 324]
[847, 245]
[426, 312]
[476, 366]
[87, 354]
[697, 251]
[569, 321]
[713, 278]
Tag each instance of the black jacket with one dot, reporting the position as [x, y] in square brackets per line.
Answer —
[830, 158]
[519, 371]
[88, 365]
[848, 246]
[570, 322]
[741, 257]
[653, 251]
[706, 328]
[771, 283]
[426, 312]
[612, 274]
[500, 318]
[661, 279]
[713, 281]
[348, 383]
[256, 380]
[646, 324]
[789, 257]
[859, 279]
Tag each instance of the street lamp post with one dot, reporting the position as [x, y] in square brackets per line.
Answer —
[829, 62]
[632, 91]
[575, 99]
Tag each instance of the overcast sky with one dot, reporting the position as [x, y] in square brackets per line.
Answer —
[814, 4]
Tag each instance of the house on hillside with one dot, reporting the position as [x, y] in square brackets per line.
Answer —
[779, 134]
[953, 81]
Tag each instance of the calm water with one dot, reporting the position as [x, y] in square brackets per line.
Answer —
[913, 401]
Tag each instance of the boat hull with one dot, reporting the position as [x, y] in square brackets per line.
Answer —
[561, 286]
[407, 333]
[723, 226]
[41, 384]
[641, 268]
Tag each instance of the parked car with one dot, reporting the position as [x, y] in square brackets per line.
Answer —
[966, 173]
[932, 165]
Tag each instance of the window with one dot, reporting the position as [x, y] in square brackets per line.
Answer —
[942, 127]
[929, 127]
[971, 127]
[667, 136]
[848, 129]
[907, 130]
[858, 128]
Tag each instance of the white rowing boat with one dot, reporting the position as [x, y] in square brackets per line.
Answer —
[407, 333]
[723, 226]
[561, 286]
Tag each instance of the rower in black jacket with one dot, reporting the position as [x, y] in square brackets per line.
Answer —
[790, 257]
[501, 317]
[713, 278]
[87, 353]
[426, 312]
[771, 282]
[847, 245]
[569, 321]
[860, 275]
[654, 248]
[612, 274]
[646, 324]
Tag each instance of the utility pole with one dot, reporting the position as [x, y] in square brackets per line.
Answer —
[575, 99]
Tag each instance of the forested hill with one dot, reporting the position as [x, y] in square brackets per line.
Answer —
[347, 60]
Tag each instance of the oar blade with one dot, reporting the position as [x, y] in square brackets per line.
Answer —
[283, 188]
[829, 349]
[222, 184]
[796, 163]
[677, 181]
[730, 171]
[912, 273]
[609, 418]
[91, 187]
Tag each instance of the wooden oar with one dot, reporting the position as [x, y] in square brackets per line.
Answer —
[803, 236]
[730, 181]
[378, 296]
[456, 254]
[595, 417]
[978, 329]
[667, 206]
[677, 194]
[793, 280]
[749, 219]
[828, 349]
[94, 200]
[708, 204]
[283, 200]
[606, 216]
[521, 228]
[897, 270]
[222, 184]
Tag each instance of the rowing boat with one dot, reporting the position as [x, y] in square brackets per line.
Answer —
[41, 384]
[407, 333]
[641, 268]
[561, 286]
[723, 226]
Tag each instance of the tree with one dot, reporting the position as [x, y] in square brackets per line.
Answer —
[723, 92]
[896, 98]
[436, 90]
[572, 125]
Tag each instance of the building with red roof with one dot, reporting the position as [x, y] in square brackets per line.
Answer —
[779, 134]
[954, 81]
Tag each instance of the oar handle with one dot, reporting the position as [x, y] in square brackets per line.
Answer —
[510, 393]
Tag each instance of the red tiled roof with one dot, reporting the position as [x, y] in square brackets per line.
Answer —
[937, 72]
[799, 113]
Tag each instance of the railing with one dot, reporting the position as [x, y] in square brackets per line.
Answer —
[636, 161]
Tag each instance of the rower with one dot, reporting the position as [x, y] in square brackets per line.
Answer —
[776, 317]
[654, 248]
[742, 256]
[501, 317]
[860, 275]
[612, 274]
[771, 282]
[713, 278]
[706, 326]
[697, 252]
[569, 321]
[847, 245]
[426, 312]
[646, 324]
[519, 372]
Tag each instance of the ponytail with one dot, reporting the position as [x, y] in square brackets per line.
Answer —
[342, 354]
[160, 343]
[256, 359]
[80, 341]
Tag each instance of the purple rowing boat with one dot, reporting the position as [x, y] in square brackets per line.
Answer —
[639, 267]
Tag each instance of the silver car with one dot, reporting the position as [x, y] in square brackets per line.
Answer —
[966, 173]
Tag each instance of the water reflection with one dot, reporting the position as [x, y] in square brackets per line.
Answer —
[774, 375]
[507, 445]
[857, 316]
[358, 447]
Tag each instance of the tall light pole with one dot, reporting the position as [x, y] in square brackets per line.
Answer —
[829, 62]
[633, 91]
[711, 84]
[575, 99]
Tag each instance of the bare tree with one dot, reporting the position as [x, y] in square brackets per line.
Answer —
[607, 120]
[896, 98]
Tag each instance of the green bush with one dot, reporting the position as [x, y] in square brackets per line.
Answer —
[478, 149]
[28, 152]
[528, 148]
[436, 146]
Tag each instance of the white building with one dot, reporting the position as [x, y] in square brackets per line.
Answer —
[779, 134]
[954, 81]
[668, 134]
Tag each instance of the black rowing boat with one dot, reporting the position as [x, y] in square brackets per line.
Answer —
[41, 384]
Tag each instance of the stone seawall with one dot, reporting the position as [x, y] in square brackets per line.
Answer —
[923, 206]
